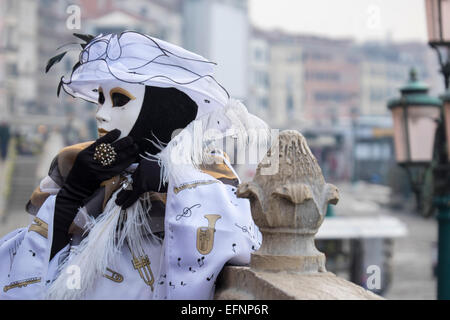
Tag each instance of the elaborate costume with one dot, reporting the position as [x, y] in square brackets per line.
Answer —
[140, 213]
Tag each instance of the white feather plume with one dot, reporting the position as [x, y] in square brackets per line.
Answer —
[104, 243]
[192, 146]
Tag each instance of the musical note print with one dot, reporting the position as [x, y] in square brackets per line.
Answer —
[182, 284]
[13, 252]
[210, 277]
[172, 285]
[178, 262]
[187, 212]
[200, 261]
[192, 270]
[161, 279]
[244, 228]
[233, 246]
[171, 232]
[32, 252]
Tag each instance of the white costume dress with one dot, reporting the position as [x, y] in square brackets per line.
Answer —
[125, 254]
[205, 227]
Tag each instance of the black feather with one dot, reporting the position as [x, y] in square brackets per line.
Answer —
[65, 45]
[54, 60]
[85, 37]
[76, 66]
[59, 87]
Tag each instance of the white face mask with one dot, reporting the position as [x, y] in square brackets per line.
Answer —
[119, 106]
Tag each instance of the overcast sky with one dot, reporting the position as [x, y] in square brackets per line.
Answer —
[400, 20]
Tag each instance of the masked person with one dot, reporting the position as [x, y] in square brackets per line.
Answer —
[149, 210]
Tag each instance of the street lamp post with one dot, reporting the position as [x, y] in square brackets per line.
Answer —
[438, 23]
[422, 136]
[419, 140]
[416, 116]
[442, 200]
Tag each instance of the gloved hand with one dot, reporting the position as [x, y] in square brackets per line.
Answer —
[146, 178]
[84, 178]
[87, 173]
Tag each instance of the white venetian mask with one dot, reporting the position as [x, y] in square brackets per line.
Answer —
[119, 105]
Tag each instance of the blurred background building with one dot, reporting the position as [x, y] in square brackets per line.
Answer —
[333, 90]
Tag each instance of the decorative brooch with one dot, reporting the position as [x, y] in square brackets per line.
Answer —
[105, 154]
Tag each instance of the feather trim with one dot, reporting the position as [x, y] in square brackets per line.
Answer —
[192, 147]
[99, 250]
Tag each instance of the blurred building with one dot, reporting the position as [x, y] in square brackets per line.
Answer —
[259, 59]
[331, 80]
[33, 30]
[159, 18]
[219, 31]
[275, 76]
[286, 76]
[29, 38]
[336, 79]
[3, 102]
[310, 80]
[384, 69]
[321, 86]
[373, 149]
[335, 92]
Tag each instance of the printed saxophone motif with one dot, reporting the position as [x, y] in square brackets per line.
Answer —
[20, 284]
[193, 184]
[205, 235]
[39, 226]
[114, 276]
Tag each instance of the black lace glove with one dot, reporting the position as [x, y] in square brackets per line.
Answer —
[84, 178]
[146, 178]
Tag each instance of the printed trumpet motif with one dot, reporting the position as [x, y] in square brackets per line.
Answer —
[142, 264]
[205, 235]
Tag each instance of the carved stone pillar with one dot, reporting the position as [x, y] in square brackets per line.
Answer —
[289, 199]
[289, 206]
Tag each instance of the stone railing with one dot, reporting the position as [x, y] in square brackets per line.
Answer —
[289, 205]
[6, 175]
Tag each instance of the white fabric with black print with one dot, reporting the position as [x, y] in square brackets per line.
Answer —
[190, 271]
[206, 226]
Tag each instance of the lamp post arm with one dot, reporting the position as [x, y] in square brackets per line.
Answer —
[441, 201]
[445, 65]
